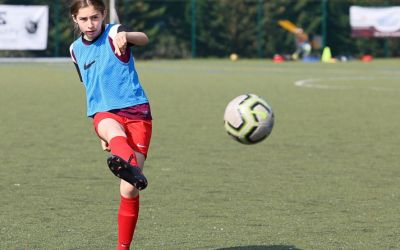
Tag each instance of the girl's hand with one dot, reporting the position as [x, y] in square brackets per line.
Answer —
[120, 43]
[105, 146]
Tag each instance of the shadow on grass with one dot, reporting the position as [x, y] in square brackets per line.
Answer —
[272, 247]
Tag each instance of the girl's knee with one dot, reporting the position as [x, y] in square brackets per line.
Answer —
[127, 190]
[109, 128]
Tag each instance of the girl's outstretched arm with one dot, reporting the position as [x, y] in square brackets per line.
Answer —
[122, 39]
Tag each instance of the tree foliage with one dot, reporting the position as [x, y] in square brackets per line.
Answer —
[246, 27]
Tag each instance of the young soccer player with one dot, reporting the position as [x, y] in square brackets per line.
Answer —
[116, 101]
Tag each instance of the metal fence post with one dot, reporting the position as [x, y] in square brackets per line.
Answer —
[386, 42]
[324, 10]
[260, 28]
[194, 24]
[57, 28]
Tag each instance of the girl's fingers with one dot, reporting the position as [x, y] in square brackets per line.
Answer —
[120, 44]
[117, 51]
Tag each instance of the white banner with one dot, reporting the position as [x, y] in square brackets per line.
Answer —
[23, 27]
[375, 21]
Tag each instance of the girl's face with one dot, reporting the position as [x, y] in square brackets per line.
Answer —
[90, 22]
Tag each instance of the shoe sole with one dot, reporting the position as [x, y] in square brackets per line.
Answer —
[127, 172]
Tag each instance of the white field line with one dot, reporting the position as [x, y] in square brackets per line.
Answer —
[316, 83]
[35, 59]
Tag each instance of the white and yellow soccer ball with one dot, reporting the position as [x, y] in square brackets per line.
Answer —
[248, 119]
[234, 57]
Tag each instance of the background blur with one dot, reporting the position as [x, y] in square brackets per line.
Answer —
[217, 28]
[327, 177]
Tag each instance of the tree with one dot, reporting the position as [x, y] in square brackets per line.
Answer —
[227, 26]
[223, 27]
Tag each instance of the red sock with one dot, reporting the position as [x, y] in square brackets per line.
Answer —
[120, 147]
[127, 217]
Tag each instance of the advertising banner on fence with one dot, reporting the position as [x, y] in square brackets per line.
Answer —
[23, 27]
[375, 21]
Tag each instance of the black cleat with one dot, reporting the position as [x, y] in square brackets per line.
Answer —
[127, 172]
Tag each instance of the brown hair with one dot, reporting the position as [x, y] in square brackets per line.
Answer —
[76, 5]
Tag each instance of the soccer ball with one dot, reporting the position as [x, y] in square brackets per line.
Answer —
[234, 57]
[248, 119]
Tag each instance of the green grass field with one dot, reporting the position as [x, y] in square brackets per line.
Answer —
[327, 177]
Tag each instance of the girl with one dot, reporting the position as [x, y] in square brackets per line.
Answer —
[116, 101]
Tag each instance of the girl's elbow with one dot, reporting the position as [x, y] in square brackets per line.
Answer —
[145, 39]
[141, 40]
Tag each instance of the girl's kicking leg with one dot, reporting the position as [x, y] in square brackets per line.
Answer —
[123, 162]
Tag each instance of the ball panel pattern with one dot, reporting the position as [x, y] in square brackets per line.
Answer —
[248, 119]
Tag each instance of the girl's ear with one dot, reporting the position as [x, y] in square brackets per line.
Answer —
[73, 18]
[104, 14]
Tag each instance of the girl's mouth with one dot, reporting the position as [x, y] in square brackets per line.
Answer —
[90, 33]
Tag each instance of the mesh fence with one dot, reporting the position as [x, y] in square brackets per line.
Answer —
[217, 28]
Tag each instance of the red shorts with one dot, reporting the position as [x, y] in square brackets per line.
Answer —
[138, 132]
